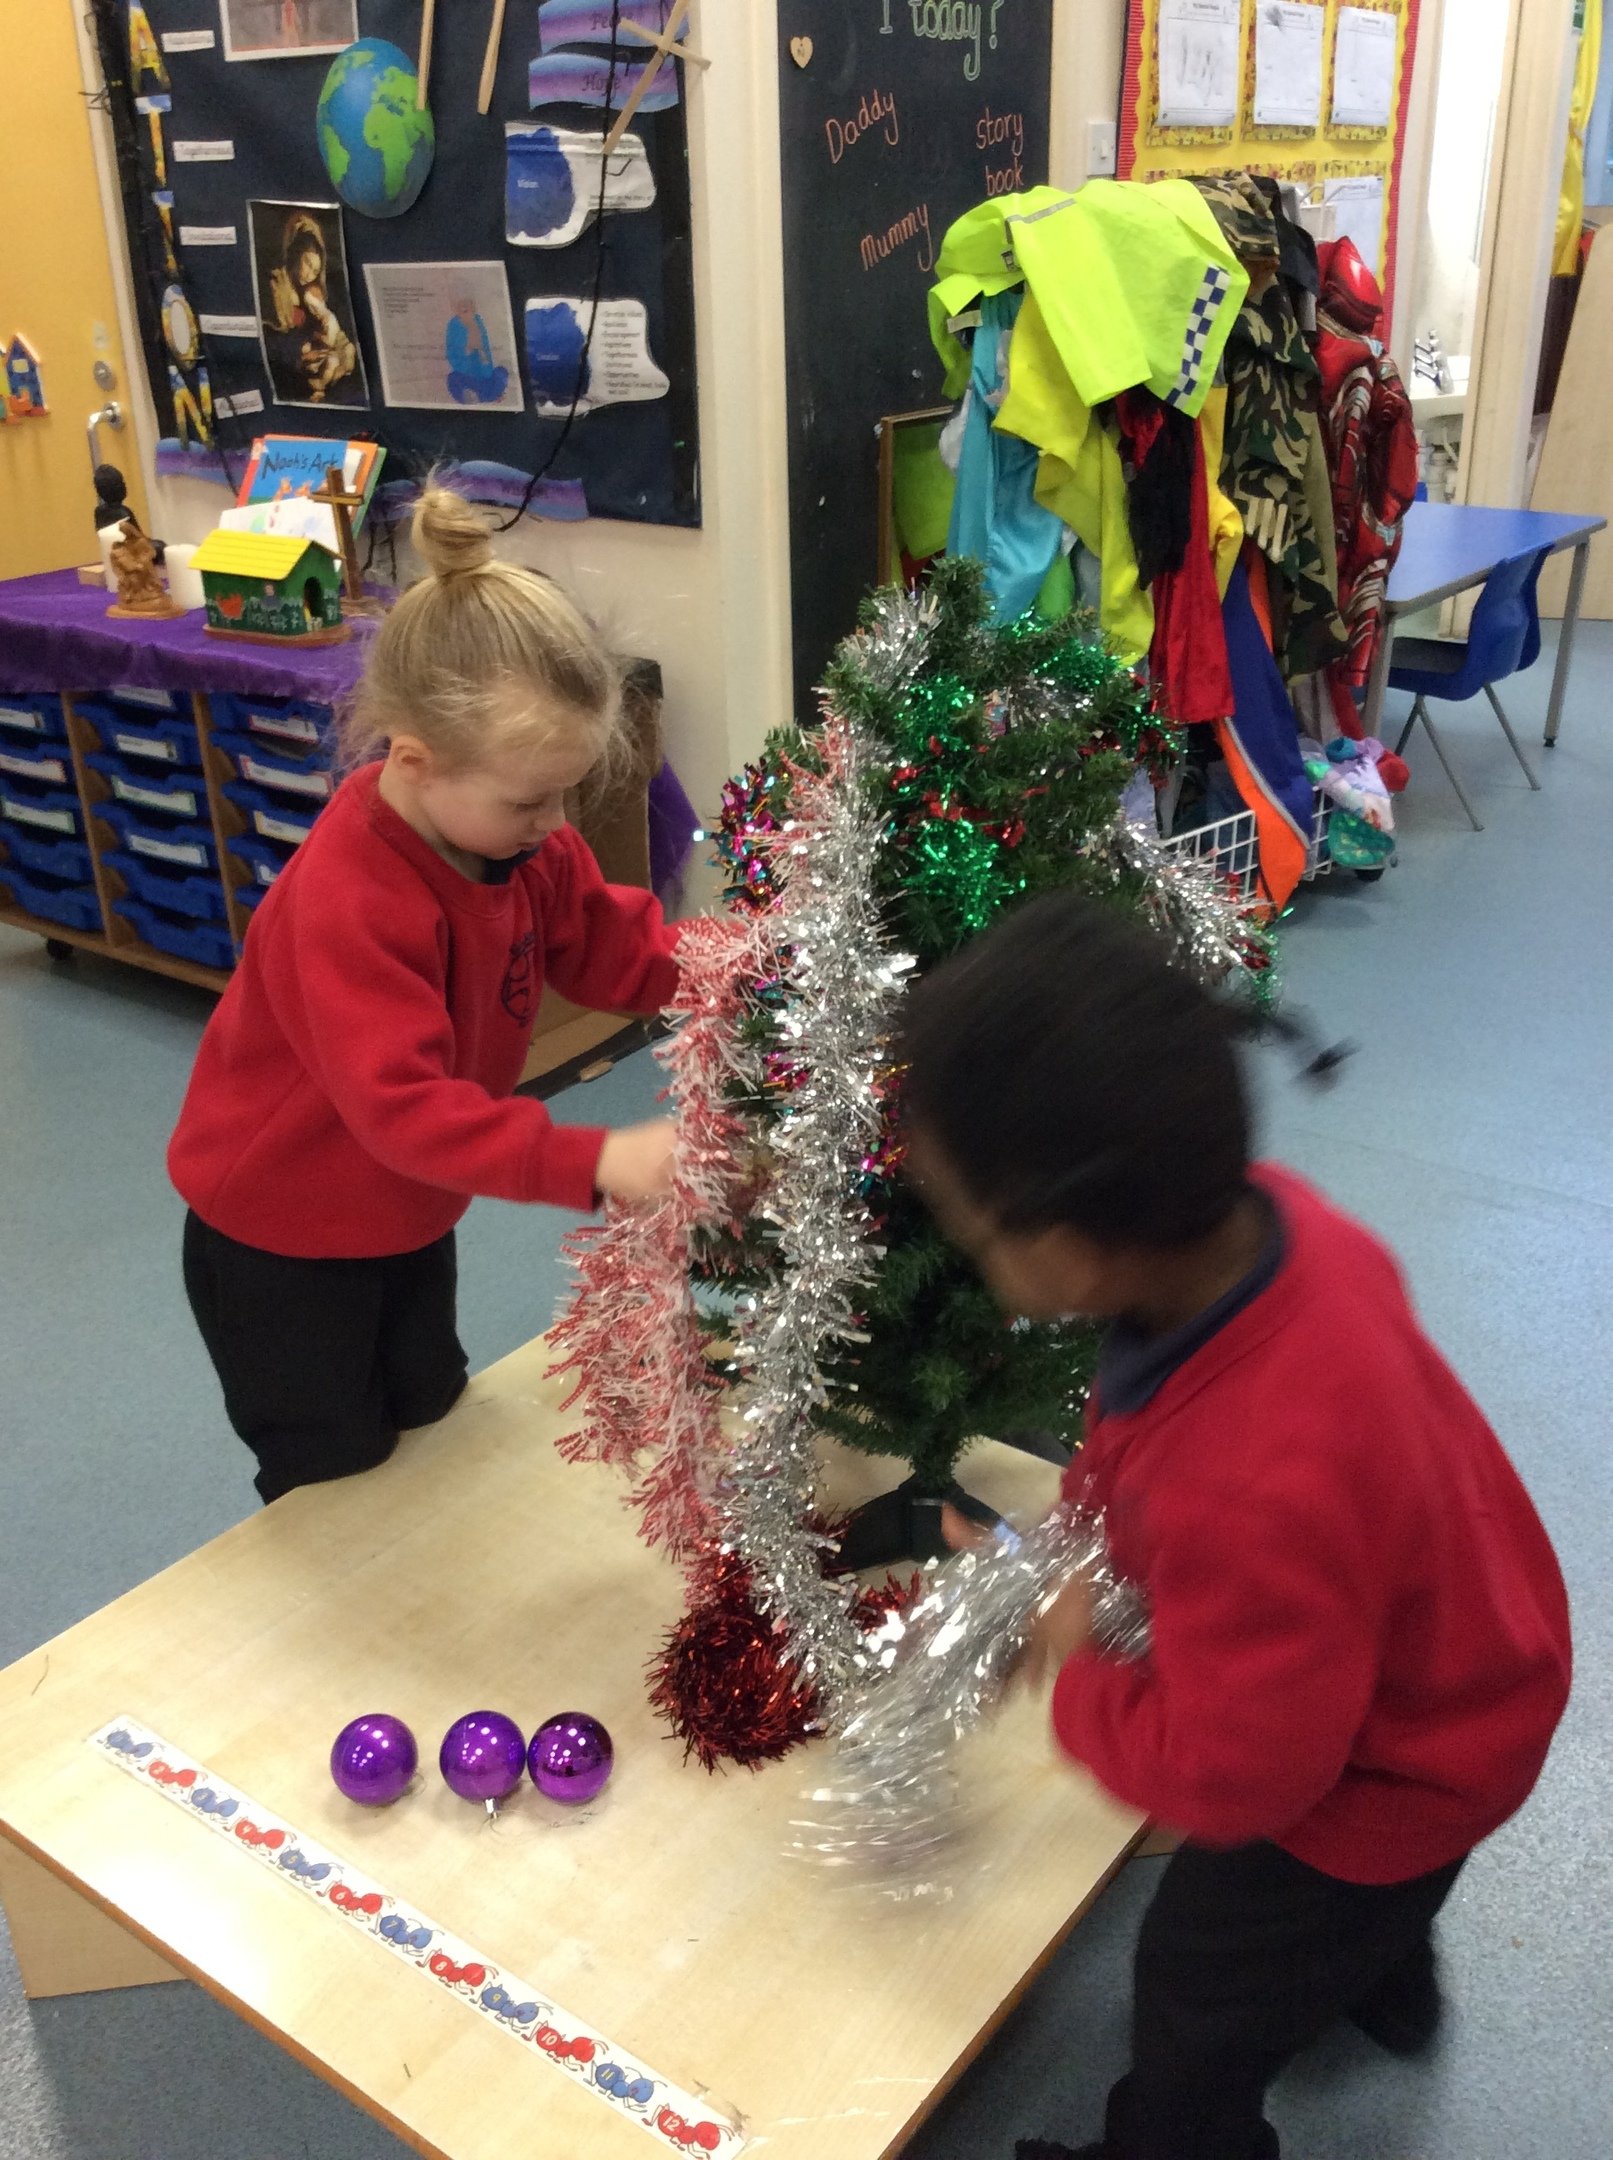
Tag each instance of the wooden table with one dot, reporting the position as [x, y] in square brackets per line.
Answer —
[478, 1569]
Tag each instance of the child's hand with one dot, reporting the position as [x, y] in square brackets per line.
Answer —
[636, 1163]
[1057, 1633]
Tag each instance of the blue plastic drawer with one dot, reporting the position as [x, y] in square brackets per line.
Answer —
[44, 810]
[264, 858]
[179, 845]
[171, 704]
[56, 900]
[43, 764]
[144, 739]
[294, 723]
[307, 777]
[196, 893]
[34, 849]
[271, 817]
[37, 713]
[207, 944]
[250, 895]
[170, 796]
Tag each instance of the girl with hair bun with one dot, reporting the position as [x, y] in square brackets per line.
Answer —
[354, 1088]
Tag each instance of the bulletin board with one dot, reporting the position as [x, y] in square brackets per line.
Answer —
[1325, 155]
[566, 386]
[895, 117]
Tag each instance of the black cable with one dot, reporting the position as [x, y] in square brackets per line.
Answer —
[583, 357]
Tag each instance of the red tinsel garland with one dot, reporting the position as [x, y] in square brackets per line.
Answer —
[725, 1679]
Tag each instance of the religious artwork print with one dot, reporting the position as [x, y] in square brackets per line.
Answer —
[444, 336]
[305, 308]
[284, 29]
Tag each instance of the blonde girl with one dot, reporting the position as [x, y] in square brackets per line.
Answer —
[354, 1088]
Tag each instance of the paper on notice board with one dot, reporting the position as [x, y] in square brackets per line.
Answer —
[1198, 63]
[1358, 215]
[569, 367]
[552, 186]
[1288, 64]
[444, 335]
[1364, 68]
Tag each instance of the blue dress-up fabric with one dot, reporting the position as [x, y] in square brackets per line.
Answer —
[995, 514]
[1264, 714]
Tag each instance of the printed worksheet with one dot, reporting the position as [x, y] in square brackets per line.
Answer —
[1364, 68]
[1198, 63]
[1288, 64]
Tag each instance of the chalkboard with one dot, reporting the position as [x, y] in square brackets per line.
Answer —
[895, 117]
[257, 120]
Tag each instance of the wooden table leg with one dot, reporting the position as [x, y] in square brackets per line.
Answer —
[63, 1944]
[1378, 681]
[1565, 641]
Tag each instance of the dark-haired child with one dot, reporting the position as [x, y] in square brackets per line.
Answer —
[1360, 1636]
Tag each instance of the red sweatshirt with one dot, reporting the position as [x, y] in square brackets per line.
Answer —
[1360, 1634]
[353, 1088]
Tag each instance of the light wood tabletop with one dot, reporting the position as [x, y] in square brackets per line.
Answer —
[479, 1570]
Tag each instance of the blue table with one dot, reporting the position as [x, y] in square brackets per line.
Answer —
[1450, 548]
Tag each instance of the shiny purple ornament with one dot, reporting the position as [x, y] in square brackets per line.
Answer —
[374, 1759]
[481, 1754]
[570, 1757]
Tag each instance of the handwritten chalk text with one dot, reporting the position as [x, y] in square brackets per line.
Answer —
[1004, 132]
[877, 111]
[953, 21]
[876, 247]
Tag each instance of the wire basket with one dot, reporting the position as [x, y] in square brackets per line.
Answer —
[1232, 846]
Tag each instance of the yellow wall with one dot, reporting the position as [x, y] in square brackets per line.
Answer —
[56, 288]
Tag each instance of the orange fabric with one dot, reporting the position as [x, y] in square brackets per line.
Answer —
[1283, 850]
[1259, 591]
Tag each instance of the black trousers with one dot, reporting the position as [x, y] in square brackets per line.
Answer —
[1245, 1958]
[324, 1362]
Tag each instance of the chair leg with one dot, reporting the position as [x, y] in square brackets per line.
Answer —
[1506, 727]
[1417, 711]
[1450, 771]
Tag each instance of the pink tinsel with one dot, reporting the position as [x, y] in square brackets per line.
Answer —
[633, 1336]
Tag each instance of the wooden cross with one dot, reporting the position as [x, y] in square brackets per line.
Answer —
[343, 502]
[663, 45]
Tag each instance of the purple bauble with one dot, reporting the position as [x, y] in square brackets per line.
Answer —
[570, 1757]
[481, 1755]
[374, 1759]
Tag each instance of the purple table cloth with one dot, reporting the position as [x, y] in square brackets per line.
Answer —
[55, 634]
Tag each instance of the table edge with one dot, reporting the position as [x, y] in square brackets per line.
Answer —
[232, 2002]
[1577, 536]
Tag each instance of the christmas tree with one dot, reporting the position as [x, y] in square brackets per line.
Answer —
[960, 766]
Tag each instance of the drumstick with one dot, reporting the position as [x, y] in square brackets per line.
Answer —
[484, 96]
[428, 22]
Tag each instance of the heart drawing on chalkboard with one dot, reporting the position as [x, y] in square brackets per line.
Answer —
[801, 51]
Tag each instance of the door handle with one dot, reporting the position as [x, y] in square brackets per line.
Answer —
[112, 413]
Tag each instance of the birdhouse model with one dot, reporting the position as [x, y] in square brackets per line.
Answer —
[25, 393]
[274, 588]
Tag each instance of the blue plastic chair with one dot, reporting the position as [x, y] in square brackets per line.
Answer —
[1503, 637]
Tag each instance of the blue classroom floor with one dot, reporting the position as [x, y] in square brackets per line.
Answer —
[1472, 1129]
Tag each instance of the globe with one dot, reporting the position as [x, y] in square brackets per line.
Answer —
[377, 144]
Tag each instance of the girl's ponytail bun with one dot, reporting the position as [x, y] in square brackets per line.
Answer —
[449, 534]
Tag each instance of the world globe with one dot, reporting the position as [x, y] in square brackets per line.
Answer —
[376, 142]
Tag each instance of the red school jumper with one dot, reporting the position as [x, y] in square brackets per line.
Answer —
[1360, 1635]
[353, 1089]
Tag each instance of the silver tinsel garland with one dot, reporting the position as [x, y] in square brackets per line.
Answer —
[889, 1802]
[842, 983]
[1205, 925]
